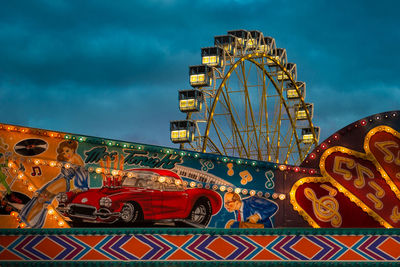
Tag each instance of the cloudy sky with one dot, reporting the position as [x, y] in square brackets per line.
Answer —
[113, 68]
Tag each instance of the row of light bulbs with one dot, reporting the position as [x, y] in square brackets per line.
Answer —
[335, 137]
[142, 147]
[161, 179]
[50, 211]
[31, 187]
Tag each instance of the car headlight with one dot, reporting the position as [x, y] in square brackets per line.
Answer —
[62, 197]
[105, 202]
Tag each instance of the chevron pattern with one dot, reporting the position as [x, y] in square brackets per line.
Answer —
[369, 247]
[200, 247]
[36, 248]
[110, 247]
[294, 248]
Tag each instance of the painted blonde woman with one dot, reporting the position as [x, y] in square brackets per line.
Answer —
[34, 212]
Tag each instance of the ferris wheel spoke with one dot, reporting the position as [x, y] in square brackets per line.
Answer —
[212, 145]
[246, 92]
[218, 130]
[289, 152]
[236, 129]
[275, 132]
[265, 111]
[240, 82]
[231, 108]
[307, 150]
[290, 148]
[270, 132]
[278, 145]
[239, 77]
[221, 131]
[282, 100]
[193, 147]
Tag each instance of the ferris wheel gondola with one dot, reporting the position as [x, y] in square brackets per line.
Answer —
[246, 102]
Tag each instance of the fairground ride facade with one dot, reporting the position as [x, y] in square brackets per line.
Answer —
[249, 184]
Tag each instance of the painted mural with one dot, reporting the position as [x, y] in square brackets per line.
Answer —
[52, 179]
[60, 180]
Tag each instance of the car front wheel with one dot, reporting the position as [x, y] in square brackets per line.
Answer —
[130, 213]
[201, 212]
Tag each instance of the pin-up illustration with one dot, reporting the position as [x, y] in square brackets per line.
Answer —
[34, 212]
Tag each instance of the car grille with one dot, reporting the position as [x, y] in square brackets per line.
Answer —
[82, 210]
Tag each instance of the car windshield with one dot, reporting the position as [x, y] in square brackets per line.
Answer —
[142, 183]
[133, 182]
[147, 180]
[151, 180]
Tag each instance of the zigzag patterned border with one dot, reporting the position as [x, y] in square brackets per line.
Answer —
[29, 246]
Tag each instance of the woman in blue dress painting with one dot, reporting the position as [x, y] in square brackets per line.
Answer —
[34, 212]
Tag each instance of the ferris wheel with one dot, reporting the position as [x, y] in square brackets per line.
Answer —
[246, 102]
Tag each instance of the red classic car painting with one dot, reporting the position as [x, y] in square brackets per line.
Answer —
[145, 195]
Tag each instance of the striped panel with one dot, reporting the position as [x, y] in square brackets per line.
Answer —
[200, 247]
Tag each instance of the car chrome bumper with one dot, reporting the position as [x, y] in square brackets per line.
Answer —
[88, 213]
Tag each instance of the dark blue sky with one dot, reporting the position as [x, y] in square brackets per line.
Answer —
[113, 68]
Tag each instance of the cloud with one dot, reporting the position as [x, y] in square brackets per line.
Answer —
[337, 109]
